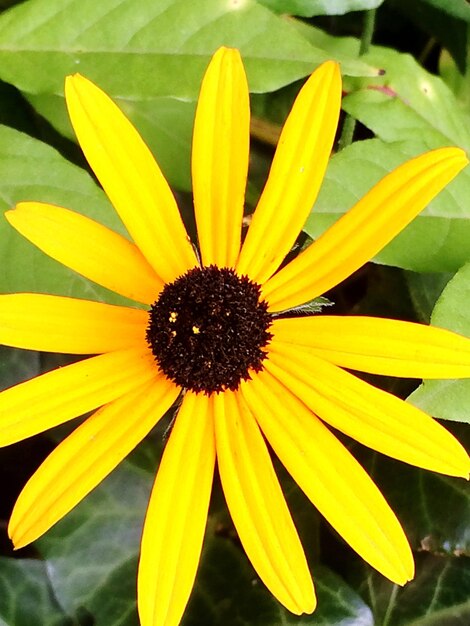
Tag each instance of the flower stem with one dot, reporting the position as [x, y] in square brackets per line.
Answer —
[349, 124]
[367, 31]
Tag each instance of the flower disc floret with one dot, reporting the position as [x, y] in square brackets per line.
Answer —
[208, 328]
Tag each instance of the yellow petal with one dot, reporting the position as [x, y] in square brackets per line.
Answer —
[296, 174]
[86, 457]
[330, 476]
[220, 158]
[88, 248]
[130, 177]
[372, 416]
[176, 516]
[56, 324]
[67, 392]
[379, 346]
[258, 507]
[364, 230]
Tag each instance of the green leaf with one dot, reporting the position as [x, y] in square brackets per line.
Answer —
[449, 399]
[141, 49]
[92, 553]
[434, 509]
[458, 83]
[337, 603]
[438, 596]
[91, 558]
[228, 592]
[438, 240]
[413, 111]
[331, 44]
[151, 60]
[31, 170]
[309, 8]
[408, 103]
[26, 598]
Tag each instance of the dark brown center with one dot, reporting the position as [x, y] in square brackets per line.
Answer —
[208, 328]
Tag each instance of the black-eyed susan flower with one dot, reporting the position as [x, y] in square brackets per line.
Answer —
[214, 334]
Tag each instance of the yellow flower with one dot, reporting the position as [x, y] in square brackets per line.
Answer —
[214, 334]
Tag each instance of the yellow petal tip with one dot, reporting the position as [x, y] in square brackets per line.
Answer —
[465, 470]
[22, 535]
[19, 206]
[453, 152]
[406, 571]
[18, 546]
[16, 541]
[310, 605]
[456, 461]
[226, 52]
[305, 603]
[71, 77]
[74, 81]
[331, 68]
[69, 80]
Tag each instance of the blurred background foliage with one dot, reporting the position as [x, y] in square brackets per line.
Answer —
[406, 68]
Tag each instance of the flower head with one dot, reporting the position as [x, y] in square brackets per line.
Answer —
[215, 334]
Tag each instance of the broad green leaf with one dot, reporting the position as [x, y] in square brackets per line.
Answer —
[228, 592]
[413, 111]
[91, 554]
[393, 119]
[409, 103]
[86, 556]
[5, 4]
[91, 558]
[438, 596]
[152, 57]
[332, 44]
[31, 170]
[434, 509]
[309, 8]
[142, 49]
[26, 597]
[449, 399]
[458, 83]
[438, 240]
[338, 604]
